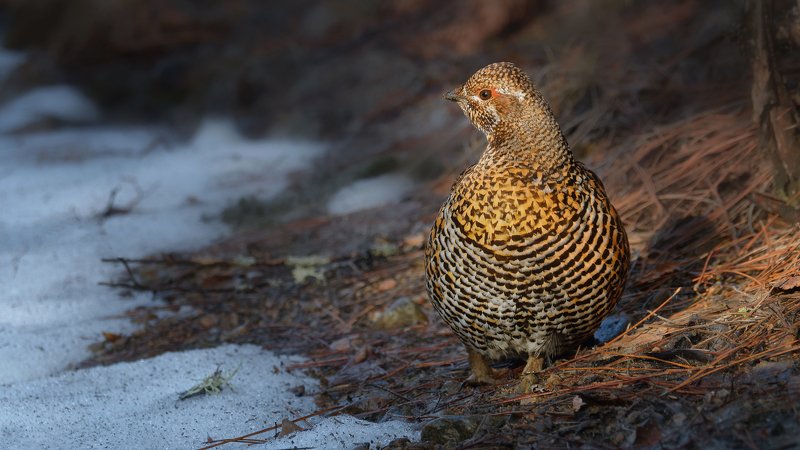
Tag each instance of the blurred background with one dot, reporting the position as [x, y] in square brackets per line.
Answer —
[366, 78]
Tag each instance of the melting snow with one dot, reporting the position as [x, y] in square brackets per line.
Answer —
[52, 102]
[369, 193]
[55, 186]
[135, 405]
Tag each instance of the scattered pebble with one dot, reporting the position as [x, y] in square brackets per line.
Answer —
[402, 313]
[387, 284]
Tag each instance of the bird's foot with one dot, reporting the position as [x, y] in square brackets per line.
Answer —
[528, 382]
[482, 373]
[530, 374]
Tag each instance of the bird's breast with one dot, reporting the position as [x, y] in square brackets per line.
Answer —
[502, 209]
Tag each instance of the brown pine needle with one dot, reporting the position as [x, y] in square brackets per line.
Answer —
[272, 428]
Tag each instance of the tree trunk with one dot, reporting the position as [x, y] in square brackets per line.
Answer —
[773, 109]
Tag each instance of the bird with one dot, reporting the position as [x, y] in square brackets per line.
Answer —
[527, 255]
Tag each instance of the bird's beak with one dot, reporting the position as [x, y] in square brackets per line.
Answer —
[454, 95]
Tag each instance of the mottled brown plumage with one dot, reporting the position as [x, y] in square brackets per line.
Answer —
[527, 255]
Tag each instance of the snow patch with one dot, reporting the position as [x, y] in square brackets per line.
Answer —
[344, 432]
[53, 102]
[135, 405]
[369, 193]
[53, 188]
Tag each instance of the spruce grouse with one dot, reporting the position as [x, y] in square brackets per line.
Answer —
[527, 255]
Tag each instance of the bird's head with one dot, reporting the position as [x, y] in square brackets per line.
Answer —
[498, 99]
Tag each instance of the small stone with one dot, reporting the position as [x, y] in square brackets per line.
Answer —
[345, 343]
[387, 284]
[577, 403]
[611, 327]
[402, 313]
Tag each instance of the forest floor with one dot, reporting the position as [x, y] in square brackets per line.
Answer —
[660, 109]
[710, 358]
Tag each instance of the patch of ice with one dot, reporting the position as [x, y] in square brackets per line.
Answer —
[135, 405]
[54, 186]
[369, 193]
[57, 102]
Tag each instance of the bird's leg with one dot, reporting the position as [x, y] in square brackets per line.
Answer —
[482, 373]
[529, 377]
[534, 365]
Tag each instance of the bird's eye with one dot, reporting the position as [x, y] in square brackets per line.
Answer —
[485, 94]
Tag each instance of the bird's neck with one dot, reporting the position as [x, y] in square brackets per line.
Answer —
[534, 141]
